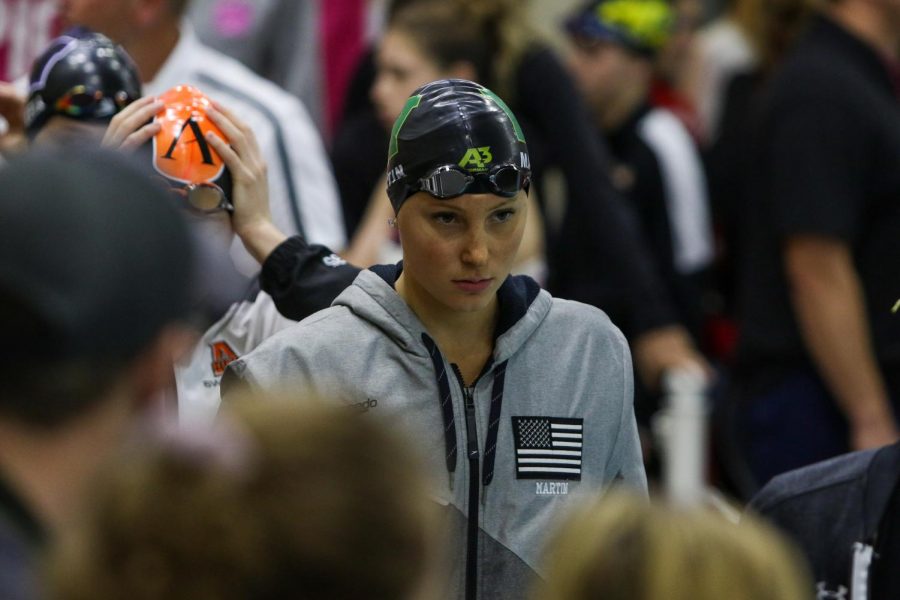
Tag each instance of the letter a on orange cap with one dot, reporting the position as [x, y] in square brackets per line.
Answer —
[180, 149]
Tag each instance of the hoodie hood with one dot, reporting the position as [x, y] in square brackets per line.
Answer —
[522, 303]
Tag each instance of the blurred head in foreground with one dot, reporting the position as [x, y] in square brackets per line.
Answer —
[95, 266]
[623, 548]
[273, 502]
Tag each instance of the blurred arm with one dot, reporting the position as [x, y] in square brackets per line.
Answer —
[827, 298]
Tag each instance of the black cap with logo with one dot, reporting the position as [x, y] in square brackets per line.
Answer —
[455, 137]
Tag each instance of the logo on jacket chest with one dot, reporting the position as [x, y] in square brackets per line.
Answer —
[548, 448]
[222, 356]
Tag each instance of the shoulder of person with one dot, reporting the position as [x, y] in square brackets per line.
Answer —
[573, 318]
[813, 482]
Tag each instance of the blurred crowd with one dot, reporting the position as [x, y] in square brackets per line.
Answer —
[183, 181]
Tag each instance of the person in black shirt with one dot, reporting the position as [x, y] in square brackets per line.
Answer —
[819, 351]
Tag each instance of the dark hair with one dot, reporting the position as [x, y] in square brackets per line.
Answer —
[490, 34]
[310, 503]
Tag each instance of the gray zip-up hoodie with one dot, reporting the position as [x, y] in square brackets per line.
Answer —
[549, 419]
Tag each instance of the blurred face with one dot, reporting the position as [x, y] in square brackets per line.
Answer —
[401, 67]
[457, 252]
[674, 56]
[113, 18]
[600, 69]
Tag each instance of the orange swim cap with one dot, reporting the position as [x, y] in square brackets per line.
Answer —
[180, 149]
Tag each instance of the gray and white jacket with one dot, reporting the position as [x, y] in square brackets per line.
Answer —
[549, 419]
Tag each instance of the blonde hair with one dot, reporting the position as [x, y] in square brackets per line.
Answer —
[623, 548]
[310, 503]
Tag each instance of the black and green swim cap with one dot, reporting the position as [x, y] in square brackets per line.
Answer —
[452, 137]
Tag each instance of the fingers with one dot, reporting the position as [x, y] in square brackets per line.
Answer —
[140, 137]
[130, 121]
[12, 106]
[239, 170]
[237, 137]
[243, 127]
[242, 142]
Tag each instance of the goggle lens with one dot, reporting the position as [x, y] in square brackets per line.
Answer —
[207, 198]
[508, 180]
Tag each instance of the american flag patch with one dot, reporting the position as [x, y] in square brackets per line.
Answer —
[548, 447]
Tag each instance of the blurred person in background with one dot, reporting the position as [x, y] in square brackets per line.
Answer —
[95, 269]
[842, 513]
[750, 36]
[596, 254]
[619, 547]
[531, 395]
[310, 48]
[818, 360]
[737, 55]
[655, 164]
[303, 197]
[672, 67]
[271, 502]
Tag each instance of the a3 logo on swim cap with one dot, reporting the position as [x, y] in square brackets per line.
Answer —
[476, 160]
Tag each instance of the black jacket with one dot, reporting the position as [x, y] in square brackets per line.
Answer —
[836, 511]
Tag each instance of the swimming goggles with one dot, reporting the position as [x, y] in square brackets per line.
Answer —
[450, 181]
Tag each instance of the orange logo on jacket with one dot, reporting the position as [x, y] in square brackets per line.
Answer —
[180, 149]
[222, 356]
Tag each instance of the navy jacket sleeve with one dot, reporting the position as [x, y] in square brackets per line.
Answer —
[304, 278]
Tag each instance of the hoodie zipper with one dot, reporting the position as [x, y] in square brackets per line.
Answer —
[472, 454]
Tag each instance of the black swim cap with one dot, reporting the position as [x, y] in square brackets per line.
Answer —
[453, 137]
[81, 75]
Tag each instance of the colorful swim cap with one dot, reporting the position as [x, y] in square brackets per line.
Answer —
[81, 75]
[456, 137]
[183, 156]
[642, 26]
